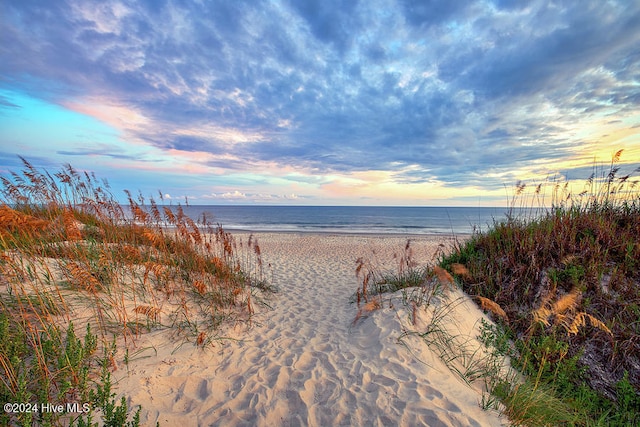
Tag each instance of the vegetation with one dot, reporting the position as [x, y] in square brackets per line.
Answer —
[70, 254]
[563, 286]
[568, 282]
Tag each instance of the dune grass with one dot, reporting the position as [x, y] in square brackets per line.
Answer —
[71, 255]
[568, 283]
[562, 285]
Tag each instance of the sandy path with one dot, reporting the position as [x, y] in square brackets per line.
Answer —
[303, 363]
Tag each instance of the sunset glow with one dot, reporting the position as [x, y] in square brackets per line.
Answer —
[386, 102]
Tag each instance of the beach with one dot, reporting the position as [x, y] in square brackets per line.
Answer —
[304, 360]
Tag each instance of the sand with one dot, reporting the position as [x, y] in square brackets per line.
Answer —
[304, 361]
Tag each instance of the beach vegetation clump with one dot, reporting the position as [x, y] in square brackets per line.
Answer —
[70, 254]
[567, 284]
[418, 284]
[430, 307]
[562, 285]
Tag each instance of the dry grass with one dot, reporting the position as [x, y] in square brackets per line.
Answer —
[563, 313]
[491, 306]
[444, 277]
[68, 248]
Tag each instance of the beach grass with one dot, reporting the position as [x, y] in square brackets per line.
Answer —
[71, 255]
[568, 282]
[563, 287]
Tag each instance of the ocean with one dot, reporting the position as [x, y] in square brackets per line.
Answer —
[351, 219]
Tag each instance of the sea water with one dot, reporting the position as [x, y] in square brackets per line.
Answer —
[352, 219]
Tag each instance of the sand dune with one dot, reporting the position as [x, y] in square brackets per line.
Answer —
[304, 362]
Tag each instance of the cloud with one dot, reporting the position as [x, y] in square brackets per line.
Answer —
[6, 104]
[565, 41]
[236, 196]
[106, 151]
[432, 12]
[460, 93]
[331, 21]
[233, 195]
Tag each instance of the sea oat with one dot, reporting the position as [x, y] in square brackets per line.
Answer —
[369, 307]
[159, 271]
[151, 312]
[581, 320]
[202, 336]
[83, 278]
[169, 216]
[200, 286]
[493, 307]
[542, 313]
[131, 253]
[373, 305]
[154, 238]
[567, 302]
[616, 157]
[13, 220]
[444, 277]
[461, 270]
[235, 293]
[138, 213]
[71, 225]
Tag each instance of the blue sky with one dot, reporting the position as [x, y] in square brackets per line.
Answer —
[381, 102]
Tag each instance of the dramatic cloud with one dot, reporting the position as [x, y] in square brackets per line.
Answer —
[325, 99]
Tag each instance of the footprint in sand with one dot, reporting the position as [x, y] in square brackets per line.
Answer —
[303, 364]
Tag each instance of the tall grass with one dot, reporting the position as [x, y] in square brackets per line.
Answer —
[70, 253]
[568, 282]
[562, 284]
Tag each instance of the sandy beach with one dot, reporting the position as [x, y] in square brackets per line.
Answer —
[304, 361]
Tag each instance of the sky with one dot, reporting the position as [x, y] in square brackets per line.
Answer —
[323, 102]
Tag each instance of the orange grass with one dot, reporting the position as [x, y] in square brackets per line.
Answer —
[492, 306]
[68, 249]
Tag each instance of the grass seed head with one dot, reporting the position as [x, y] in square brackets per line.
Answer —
[567, 302]
[444, 277]
[493, 307]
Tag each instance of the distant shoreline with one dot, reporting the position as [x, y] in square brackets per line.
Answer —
[321, 233]
[348, 220]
